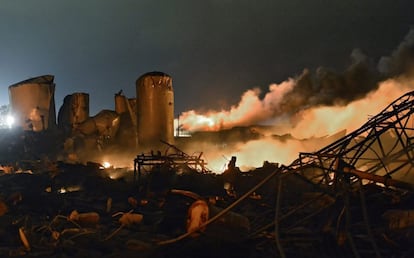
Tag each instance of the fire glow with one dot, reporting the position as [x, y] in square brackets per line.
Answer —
[322, 103]
[322, 121]
[318, 121]
[309, 128]
[106, 164]
[250, 110]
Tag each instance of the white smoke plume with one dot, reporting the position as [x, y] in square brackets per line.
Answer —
[249, 111]
[307, 109]
[297, 96]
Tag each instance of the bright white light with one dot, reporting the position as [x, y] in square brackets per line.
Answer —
[106, 164]
[10, 121]
[62, 190]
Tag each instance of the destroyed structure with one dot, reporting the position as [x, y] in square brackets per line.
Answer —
[132, 125]
[352, 198]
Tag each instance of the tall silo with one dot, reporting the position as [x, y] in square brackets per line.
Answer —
[32, 103]
[75, 110]
[155, 109]
[120, 103]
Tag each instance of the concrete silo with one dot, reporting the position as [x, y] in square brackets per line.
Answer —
[32, 103]
[155, 109]
[75, 110]
[127, 132]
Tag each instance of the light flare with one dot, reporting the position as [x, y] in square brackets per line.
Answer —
[117, 160]
[10, 121]
[106, 164]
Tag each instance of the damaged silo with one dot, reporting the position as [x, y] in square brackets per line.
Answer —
[120, 103]
[75, 110]
[105, 123]
[33, 103]
[92, 134]
[126, 109]
[155, 109]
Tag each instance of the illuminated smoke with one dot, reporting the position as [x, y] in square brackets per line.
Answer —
[309, 108]
[324, 88]
[322, 121]
[250, 110]
[401, 60]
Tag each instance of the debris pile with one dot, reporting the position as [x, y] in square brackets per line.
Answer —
[353, 198]
[77, 210]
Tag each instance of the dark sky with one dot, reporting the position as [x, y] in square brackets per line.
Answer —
[213, 49]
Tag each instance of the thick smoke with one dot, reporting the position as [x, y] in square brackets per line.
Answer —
[309, 90]
[306, 112]
[327, 87]
[401, 61]
[250, 110]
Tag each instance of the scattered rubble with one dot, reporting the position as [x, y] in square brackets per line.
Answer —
[353, 198]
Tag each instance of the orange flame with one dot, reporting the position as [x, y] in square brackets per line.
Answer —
[309, 130]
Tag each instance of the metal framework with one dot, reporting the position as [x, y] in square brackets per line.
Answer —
[383, 146]
[353, 181]
[174, 159]
[331, 203]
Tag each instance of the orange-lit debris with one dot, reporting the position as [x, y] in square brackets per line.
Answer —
[128, 219]
[198, 214]
[84, 219]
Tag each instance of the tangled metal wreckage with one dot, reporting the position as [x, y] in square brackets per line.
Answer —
[359, 196]
[353, 198]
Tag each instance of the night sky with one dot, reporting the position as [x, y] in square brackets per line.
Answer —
[213, 49]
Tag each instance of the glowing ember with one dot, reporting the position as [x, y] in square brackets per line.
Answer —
[68, 189]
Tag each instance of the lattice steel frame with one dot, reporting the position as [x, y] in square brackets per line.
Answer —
[383, 146]
[380, 153]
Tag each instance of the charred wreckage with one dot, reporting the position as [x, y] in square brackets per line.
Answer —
[352, 198]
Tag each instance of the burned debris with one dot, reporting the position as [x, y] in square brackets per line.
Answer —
[352, 198]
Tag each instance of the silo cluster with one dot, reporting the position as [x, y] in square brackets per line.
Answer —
[145, 121]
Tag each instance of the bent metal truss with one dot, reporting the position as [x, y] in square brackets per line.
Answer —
[383, 147]
[352, 184]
